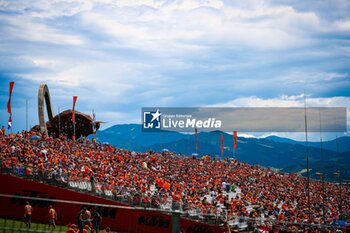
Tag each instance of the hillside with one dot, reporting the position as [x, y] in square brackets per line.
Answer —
[281, 153]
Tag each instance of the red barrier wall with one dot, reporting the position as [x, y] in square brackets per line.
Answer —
[121, 220]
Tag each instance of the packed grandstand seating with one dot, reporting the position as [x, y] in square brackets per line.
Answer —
[199, 188]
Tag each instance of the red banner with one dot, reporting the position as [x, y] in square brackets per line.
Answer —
[9, 101]
[74, 101]
[234, 140]
[222, 143]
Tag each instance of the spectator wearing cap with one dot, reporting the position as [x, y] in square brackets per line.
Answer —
[72, 228]
[86, 229]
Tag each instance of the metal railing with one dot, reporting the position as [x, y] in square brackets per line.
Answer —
[220, 217]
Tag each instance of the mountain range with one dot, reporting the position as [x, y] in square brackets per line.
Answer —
[279, 153]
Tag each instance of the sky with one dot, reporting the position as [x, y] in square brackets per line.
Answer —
[119, 56]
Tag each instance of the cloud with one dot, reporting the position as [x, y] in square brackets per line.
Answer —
[26, 29]
[177, 26]
[286, 101]
[121, 55]
[330, 9]
[343, 25]
[46, 9]
[292, 101]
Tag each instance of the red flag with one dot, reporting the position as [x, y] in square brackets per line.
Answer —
[222, 143]
[196, 131]
[9, 101]
[74, 101]
[234, 140]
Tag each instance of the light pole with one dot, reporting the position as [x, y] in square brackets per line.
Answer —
[307, 163]
[337, 174]
[321, 175]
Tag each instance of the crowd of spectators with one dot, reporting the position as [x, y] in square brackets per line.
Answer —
[206, 185]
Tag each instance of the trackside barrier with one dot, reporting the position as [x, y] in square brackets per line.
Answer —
[118, 216]
[85, 188]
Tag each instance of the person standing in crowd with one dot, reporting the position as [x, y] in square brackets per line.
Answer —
[96, 220]
[232, 187]
[276, 195]
[52, 217]
[87, 218]
[92, 181]
[80, 219]
[84, 218]
[28, 210]
[2, 132]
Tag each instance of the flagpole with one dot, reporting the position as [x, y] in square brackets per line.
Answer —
[307, 162]
[27, 115]
[196, 145]
[74, 126]
[323, 171]
[94, 128]
[196, 134]
[9, 110]
[59, 122]
[222, 144]
[233, 146]
[73, 116]
[11, 123]
[233, 149]
[337, 173]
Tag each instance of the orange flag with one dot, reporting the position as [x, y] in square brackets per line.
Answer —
[234, 140]
[74, 101]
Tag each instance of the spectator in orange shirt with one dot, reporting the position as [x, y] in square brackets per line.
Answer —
[72, 229]
[86, 229]
[2, 132]
[52, 217]
[28, 209]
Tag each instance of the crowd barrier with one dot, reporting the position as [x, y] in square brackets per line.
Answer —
[36, 184]
[118, 219]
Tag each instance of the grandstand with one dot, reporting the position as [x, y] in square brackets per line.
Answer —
[211, 193]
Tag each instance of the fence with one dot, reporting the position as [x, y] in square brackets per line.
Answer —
[221, 216]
